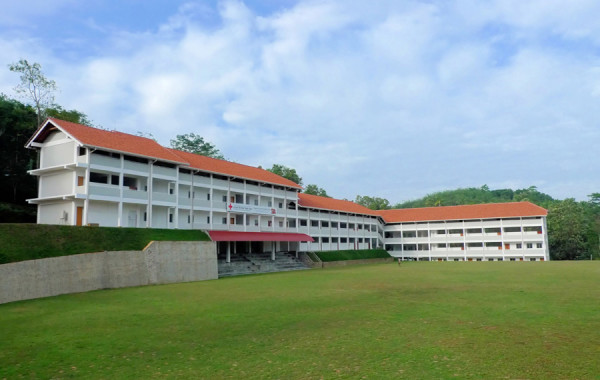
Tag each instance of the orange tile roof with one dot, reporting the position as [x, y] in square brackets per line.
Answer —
[214, 165]
[324, 203]
[480, 211]
[145, 147]
[116, 141]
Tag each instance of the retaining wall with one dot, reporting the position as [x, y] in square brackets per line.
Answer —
[162, 262]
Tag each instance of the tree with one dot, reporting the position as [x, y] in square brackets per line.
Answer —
[17, 124]
[73, 116]
[193, 143]
[374, 203]
[34, 86]
[315, 190]
[286, 172]
[567, 230]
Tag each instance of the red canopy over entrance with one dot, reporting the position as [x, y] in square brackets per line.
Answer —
[257, 236]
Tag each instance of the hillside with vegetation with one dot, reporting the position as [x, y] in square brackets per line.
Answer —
[573, 227]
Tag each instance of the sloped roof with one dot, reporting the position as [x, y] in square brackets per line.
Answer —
[480, 211]
[214, 165]
[145, 147]
[324, 203]
[110, 140]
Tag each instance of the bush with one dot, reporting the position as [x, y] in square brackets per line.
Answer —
[353, 254]
[21, 242]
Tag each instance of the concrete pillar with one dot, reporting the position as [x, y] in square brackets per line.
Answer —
[228, 259]
[273, 245]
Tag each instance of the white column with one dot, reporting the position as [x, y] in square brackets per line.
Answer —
[273, 246]
[228, 258]
[120, 207]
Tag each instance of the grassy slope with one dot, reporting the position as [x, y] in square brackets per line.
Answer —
[418, 320]
[352, 254]
[20, 242]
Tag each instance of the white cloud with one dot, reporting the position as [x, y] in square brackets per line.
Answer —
[388, 99]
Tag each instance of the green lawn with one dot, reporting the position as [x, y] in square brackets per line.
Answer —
[421, 320]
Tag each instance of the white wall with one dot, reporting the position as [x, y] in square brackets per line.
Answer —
[52, 213]
[55, 154]
[103, 213]
[60, 183]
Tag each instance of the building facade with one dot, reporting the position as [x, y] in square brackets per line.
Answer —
[89, 176]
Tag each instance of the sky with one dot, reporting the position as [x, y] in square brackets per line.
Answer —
[393, 99]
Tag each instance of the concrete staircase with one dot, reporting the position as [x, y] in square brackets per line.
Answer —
[250, 263]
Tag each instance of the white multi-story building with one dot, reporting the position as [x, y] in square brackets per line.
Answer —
[89, 176]
[485, 232]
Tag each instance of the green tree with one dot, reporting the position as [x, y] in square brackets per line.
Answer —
[316, 190]
[374, 203]
[286, 172]
[193, 143]
[73, 116]
[17, 124]
[34, 86]
[567, 230]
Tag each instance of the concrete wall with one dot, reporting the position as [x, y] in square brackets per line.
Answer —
[158, 263]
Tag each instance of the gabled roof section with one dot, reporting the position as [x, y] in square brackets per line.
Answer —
[145, 147]
[480, 211]
[324, 203]
[109, 140]
[217, 166]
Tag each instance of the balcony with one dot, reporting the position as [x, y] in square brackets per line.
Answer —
[163, 197]
[104, 190]
[135, 194]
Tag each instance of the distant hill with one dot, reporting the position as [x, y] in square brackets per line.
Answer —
[483, 194]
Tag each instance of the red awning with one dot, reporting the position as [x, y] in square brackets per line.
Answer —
[257, 236]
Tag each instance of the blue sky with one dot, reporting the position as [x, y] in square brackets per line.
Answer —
[390, 99]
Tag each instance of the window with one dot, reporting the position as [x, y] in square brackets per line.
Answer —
[512, 229]
[80, 180]
[189, 218]
[325, 239]
[231, 220]
[98, 177]
[269, 223]
[224, 198]
[519, 246]
[351, 226]
[303, 222]
[114, 180]
[496, 231]
[82, 151]
[343, 240]
[334, 240]
[256, 222]
[208, 197]
[224, 220]
[529, 245]
[343, 225]
[324, 224]
[314, 223]
[538, 245]
[130, 182]
[269, 204]
[281, 223]
[208, 220]
[256, 202]
[422, 233]
[145, 216]
[334, 225]
[280, 205]
[170, 218]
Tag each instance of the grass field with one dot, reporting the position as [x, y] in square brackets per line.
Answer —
[421, 320]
